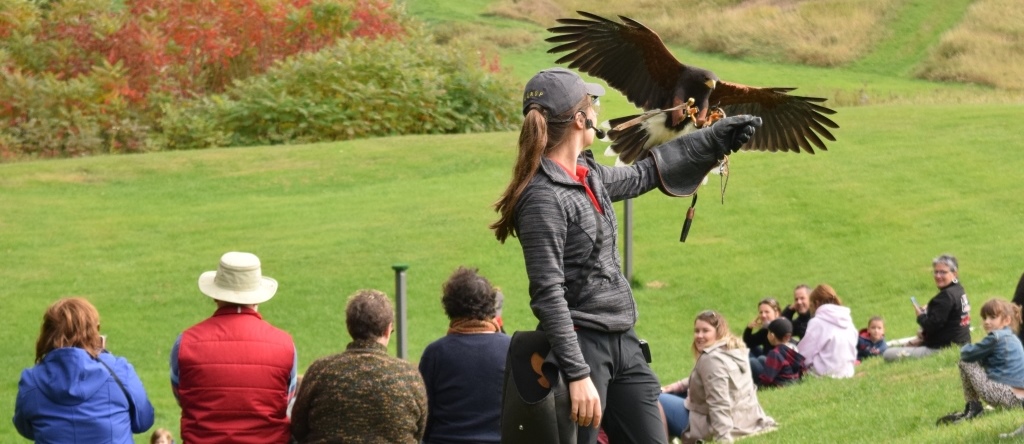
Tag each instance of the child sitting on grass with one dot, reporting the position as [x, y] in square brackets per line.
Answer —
[871, 341]
[161, 436]
[993, 369]
[782, 365]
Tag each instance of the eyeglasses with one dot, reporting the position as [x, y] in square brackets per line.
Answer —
[940, 272]
[710, 314]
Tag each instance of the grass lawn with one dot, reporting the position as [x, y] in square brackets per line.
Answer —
[902, 185]
[919, 169]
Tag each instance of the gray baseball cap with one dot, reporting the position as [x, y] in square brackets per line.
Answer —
[558, 90]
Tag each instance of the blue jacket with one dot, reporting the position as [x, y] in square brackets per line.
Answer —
[1002, 355]
[70, 397]
[867, 348]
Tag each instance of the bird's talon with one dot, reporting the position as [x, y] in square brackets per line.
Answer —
[716, 115]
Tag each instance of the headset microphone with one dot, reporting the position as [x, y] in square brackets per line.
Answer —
[597, 131]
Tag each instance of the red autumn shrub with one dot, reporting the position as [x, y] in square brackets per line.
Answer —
[161, 51]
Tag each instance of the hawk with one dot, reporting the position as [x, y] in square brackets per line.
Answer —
[678, 98]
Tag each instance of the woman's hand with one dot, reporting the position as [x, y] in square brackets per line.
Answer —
[918, 311]
[677, 387]
[586, 403]
[756, 323]
[918, 339]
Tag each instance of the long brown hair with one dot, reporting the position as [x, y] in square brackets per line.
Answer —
[537, 137]
[69, 322]
[823, 294]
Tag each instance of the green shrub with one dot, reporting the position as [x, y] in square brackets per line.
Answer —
[357, 88]
[44, 116]
[191, 127]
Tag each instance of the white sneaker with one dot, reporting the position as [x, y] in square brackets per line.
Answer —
[1013, 434]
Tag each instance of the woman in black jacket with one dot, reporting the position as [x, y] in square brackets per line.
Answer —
[756, 333]
[945, 321]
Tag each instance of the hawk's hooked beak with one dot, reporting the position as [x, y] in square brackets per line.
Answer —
[711, 83]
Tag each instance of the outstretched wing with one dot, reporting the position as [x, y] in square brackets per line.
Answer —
[628, 55]
[790, 123]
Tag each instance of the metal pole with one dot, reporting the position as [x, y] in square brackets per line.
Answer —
[400, 308]
[627, 240]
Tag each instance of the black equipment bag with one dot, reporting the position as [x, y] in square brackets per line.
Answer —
[535, 404]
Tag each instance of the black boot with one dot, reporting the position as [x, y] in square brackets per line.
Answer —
[972, 409]
[953, 417]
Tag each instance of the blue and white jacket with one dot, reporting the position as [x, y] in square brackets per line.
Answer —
[1002, 355]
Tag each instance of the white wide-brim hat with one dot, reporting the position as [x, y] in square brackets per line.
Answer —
[238, 280]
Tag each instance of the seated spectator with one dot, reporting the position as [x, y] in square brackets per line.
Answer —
[993, 369]
[783, 365]
[463, 371]
[362, 394]
[945, 321]
[78, 391]
[721, 401]
[871, 341]
[799, 312]
[233, 374]
[830, 345]
[755, 336]
[161, 436]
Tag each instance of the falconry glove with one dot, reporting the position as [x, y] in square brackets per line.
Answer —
[683, 162]
[729, 134]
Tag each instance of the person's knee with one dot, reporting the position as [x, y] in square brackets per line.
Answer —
[898, 353]
[892, 354]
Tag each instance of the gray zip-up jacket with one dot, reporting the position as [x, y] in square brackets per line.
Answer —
[557, 227]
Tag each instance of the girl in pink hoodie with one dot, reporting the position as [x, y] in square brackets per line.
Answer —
[830, 344]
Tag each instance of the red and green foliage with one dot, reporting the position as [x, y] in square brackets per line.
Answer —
[357, 88]
[75, 73]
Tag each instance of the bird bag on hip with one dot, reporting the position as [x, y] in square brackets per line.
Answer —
[535, 402]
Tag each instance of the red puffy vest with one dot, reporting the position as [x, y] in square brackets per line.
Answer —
[234, 370]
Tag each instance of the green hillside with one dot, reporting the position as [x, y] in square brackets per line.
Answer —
[132, 233]
[917, 28]
[922, 168]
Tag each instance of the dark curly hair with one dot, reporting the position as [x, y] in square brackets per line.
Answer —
[467, 295]
[368, 314]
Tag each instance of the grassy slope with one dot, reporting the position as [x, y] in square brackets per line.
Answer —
[903, 184]
[132, 233]
[918, 26]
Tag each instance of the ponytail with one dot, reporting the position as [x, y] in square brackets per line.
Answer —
[533, 139]
[537, 137]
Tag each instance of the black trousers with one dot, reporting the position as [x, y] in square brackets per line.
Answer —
[628, 388]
